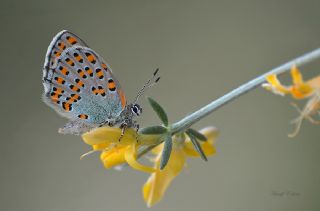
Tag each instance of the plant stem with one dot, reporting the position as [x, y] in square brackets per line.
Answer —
[189, 120]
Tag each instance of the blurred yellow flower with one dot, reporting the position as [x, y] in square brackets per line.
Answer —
[298, 90]
[115, 152]
[158, 182]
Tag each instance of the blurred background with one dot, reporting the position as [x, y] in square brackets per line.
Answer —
[203, 49]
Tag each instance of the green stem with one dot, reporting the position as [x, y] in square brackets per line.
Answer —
[189, 120]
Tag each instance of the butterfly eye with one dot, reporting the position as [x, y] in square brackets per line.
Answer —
[136, 109]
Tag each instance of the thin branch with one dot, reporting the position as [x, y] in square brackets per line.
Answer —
[189, 120]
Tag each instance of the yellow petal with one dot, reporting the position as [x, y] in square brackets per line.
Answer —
[109, 135]
[102, 146]
[211, 133]
[103, 135]
[275, 83]
[296, 76]
[130, 157]
[299, 89]
[302, 91]
[314, 83]
[207, 148]
[157, 184]
[157, 149]
[114, 156]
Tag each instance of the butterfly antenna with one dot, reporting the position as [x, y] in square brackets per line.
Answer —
[151, 82]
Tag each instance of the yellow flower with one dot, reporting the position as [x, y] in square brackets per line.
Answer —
[298, 90]
[158, 182]
[115, 152]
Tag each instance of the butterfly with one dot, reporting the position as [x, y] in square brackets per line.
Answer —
[80, 85]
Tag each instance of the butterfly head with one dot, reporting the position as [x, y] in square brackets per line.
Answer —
[133, 110]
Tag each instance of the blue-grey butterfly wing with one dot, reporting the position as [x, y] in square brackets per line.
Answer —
[80, 85]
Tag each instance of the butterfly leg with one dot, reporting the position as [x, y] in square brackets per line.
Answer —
[137, 127]
[123, 128]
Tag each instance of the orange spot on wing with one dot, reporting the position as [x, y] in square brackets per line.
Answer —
[58, 91]
[74, 88]
[55, 100]
[111, 85]
[72, 40]
[83, 116]
[89, 71]
[66, 106]
[64, 71]
[82, 73]
[69, 62]
[79, 58]
[62, 46]
[98, 90]
[60, 80]
[80, 83]
[104, 66]
[90, 58]
[73, 98]
[95, 90]
[57, 53]
[55, 97]
[100, 73]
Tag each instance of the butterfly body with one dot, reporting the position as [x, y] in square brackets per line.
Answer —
[80, 85]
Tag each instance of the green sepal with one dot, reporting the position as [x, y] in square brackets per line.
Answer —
[166, 152]
[197, 134]
[197, 146]
[159, 111]
[153, 130]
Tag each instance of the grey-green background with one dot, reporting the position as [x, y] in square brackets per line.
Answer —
[204, 49]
